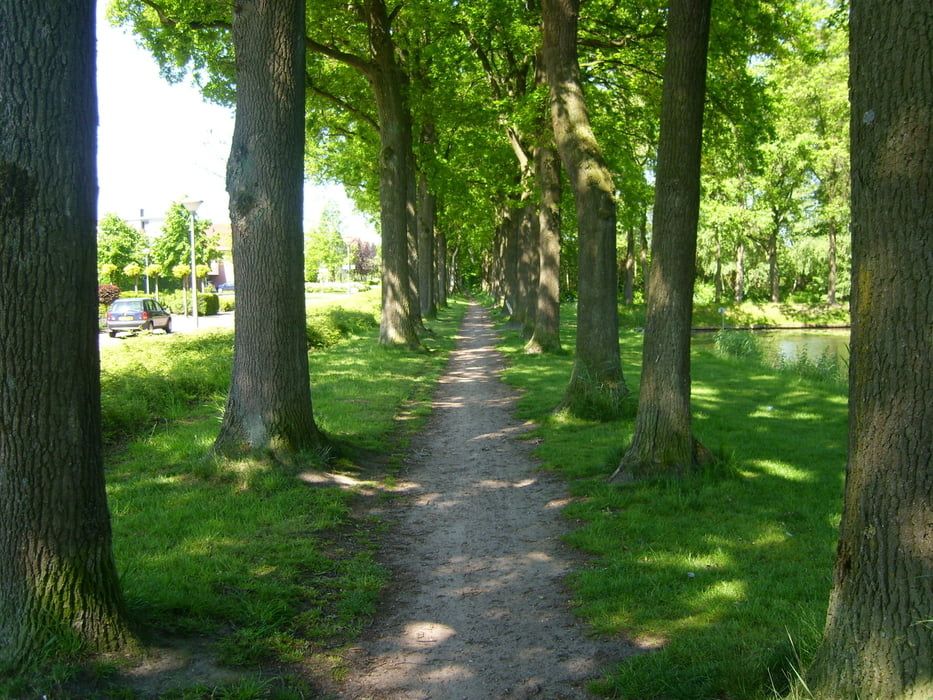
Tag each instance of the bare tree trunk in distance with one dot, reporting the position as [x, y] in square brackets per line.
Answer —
[269, 403]
[878, 639]
[663, 441]
[546, 336]
[58, 579]
[596, 384]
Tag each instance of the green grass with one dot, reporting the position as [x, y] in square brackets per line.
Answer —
[246, 554]
[721, 580]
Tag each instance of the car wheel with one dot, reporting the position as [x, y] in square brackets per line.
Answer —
[168, 326]
[113, 334]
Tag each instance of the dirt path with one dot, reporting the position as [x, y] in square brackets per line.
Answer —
[477, 609]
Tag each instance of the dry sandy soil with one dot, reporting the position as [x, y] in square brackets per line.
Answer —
[478, 607]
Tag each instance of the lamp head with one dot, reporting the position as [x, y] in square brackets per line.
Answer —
[192, 205]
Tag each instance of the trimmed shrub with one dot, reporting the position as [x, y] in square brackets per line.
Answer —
[108, 293]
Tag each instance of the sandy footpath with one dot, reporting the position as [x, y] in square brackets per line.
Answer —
[477, 608]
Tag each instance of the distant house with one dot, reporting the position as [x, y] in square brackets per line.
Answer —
[222, 267]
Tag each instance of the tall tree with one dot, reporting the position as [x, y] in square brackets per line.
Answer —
[878, 640]
[546, 335]
[118, 243]
[596, 380]
[663, 441]
[173, 246]
[58, 579]
[269, 403]
[401, 313]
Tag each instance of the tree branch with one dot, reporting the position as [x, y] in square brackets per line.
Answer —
[362, 65]
[167, 20]
[343, 104]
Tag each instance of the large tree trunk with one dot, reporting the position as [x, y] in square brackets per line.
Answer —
[628, 284]
[831, 284]
[663, 440]
[440, 265]
[399, 319]
[528, 268]
[774, 271]
[546, 337]
[740, 272]
[58, 580]
[596, 382]
[269, 404]
[426, 249]
[878, 641]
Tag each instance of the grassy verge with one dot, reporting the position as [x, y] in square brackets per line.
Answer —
[246, 561]
[750, 314]
[721, 580]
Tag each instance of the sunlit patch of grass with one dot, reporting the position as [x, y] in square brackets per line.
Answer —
[715, 575]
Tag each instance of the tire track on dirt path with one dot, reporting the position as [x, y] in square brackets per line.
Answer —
[477, 608]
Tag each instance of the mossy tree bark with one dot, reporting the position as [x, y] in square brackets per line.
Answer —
[269, 403]
[878, 640]
[58, 579]
[596, 383]
[546, 336]
[663, 440]
[398, 326]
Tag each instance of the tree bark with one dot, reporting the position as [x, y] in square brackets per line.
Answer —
[398, 323]
[596, 380]
[878, 640]
[740, 272]
[529, 265]
[663, 441]
[269, 403]
[628, 286]
[831, 284]
[58, 579]
[426, 248]
[546, 337]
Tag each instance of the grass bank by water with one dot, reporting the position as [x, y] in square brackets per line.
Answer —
[723, 579]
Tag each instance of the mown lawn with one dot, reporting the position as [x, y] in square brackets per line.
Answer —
[260, 568]
[721, 580]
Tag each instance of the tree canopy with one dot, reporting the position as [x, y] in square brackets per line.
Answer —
[774, 144]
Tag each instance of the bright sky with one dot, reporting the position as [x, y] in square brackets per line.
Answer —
[159, 143]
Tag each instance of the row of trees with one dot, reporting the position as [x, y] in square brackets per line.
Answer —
[125, 253]
[328, 251]
[56, 535]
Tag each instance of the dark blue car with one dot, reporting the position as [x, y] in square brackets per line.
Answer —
[142, 314]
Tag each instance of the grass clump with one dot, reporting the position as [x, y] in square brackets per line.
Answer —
[720, 579]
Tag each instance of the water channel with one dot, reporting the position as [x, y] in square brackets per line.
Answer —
[788, 345]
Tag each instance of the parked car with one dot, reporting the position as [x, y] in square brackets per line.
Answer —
[225, 288]
[140, 314]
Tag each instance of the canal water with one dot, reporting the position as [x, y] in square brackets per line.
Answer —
[788, 346]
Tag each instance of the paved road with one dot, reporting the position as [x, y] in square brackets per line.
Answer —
[180, 324]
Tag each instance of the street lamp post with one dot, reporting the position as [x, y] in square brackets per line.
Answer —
[349, 264]
[192, 208]
[146, 252]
